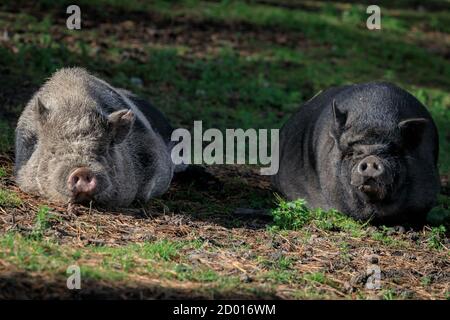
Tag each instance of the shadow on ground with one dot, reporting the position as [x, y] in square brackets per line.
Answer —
[26, 286]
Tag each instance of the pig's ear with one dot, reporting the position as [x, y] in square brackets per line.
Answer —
[340, 117]
[412, 131]
[121, 122]
[42, 111]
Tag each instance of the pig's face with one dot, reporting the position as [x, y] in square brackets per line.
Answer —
[77, 158]
[373, 170]
[372, 162]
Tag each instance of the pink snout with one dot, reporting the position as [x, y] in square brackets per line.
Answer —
[82, 183]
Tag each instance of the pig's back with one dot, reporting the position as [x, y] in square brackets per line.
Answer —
[148, 118]
[156, 118]
[299, 138]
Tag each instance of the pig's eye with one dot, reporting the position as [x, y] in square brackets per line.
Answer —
[349, 153]
[352, 153]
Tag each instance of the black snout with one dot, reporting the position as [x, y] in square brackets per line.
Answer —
[370, 166]
[369, 177]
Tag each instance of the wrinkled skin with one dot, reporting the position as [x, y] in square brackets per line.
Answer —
[368, 150]
[78, 121]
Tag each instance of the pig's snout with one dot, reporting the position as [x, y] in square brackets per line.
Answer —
[370, 167]
[370, 177]
[82, 183]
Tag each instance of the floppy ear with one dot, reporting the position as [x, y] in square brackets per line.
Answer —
[120, 123]
[412, 131]
[41, 111]
[339, 118]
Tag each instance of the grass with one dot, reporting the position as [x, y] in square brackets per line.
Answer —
[389, 294]
[42, 222]
[3, 172]
[386, 239]
[164, 250]
[436, 237]
[161, 259]
[231, 64]
[318, 277]
[9, 199]
[295, 215]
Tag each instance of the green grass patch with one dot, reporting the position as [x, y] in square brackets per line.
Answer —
[382, 235]
[35, 253]
[42, 222]
[282, 276]
[436, 238]
[295, 215]
[163, 249]
[318, 277]
[9, 199]
[32, 255]
[389, 294]
[3, 172]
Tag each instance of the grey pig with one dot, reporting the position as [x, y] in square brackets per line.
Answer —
[79, 139]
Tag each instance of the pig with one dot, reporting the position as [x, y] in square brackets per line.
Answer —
[80, 140]
[367, 150]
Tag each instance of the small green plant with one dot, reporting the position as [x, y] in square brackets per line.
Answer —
[436, 237]
[9, 199]
[389, 294]
[42, 223]
[291, 215]
[318, 277]
[285, 263]
[281, 276]
[162, 249]
[207, 276]
[382, 235]
[425, 281]
[295, 215]
[2, 172]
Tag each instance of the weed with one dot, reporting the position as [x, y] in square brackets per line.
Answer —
[295, 215]
[318, 277]
[3, 172]
[162, 249]
[9, 199]
[42, 223]
[389, 294]
[436, 237]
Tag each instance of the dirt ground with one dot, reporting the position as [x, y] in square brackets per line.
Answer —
[404, 266]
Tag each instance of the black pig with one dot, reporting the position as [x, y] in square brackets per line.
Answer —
[368, 150]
